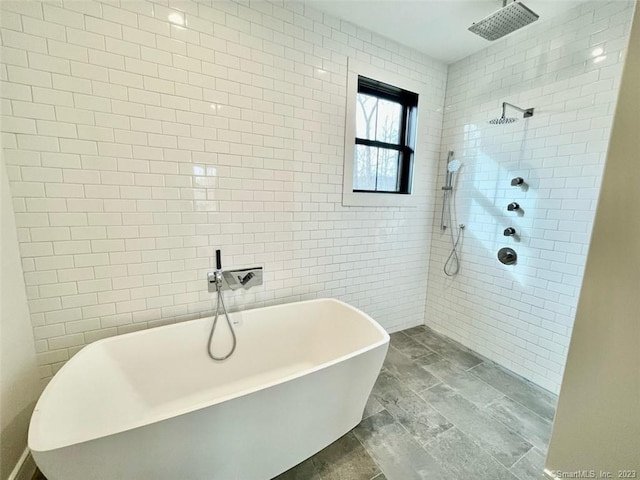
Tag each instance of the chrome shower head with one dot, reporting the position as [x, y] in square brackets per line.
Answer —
[503, 120]
[508, 19]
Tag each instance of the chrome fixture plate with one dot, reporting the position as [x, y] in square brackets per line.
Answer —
[236, 279]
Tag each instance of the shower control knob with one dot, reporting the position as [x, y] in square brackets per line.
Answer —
[507, 256]
[513, 206]
[509, 232]
[515, 182]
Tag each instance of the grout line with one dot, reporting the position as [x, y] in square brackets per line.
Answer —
[546, 420]
[483, 362]
[471, 368]
[432, 386]
[456, 390]
[455, 345]
[520, 379]
[514, 463]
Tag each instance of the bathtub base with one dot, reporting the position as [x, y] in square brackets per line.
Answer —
[254, 437]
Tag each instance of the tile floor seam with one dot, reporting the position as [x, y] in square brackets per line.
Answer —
[432, 386]
[516, 377]
[506, 425]
[479, 379]
[520, 459]
[522, 456]
[471, 368]
[546, 420]
[454, 344]
[418, 392]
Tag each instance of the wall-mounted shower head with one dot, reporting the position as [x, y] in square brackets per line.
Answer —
[527, 112]
[502, 120]
[508, 19]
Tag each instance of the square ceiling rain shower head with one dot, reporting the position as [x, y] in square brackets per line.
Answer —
[508, 19]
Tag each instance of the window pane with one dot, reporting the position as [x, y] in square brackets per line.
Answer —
[388, 125]
[366, 113]
[365, 167]
[388, 161]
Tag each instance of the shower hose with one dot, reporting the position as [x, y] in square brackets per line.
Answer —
[452, 265]
[213, 329]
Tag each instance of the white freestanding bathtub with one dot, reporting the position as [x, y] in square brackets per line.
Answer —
[152, 405]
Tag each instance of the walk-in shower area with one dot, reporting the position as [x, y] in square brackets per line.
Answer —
[531, 138]
[285, 240]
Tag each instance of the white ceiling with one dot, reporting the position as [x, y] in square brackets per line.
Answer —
[437, 28]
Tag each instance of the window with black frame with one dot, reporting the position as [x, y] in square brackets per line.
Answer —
[385, 138]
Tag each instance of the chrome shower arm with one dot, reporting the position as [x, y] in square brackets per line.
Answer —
[528, 112]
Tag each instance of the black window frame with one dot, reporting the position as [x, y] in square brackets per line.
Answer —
[406, 143]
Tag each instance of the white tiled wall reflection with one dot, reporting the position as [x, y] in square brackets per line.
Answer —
[569, 71]
[136, 146]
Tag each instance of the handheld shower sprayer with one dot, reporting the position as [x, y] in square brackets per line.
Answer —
[453, 165]
[220, 303]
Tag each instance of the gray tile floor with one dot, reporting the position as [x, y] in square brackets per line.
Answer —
[439, 411]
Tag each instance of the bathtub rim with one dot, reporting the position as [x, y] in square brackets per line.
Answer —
[33, 443]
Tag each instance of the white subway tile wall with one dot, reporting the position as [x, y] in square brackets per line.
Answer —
[136, 147]
[569, 71]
